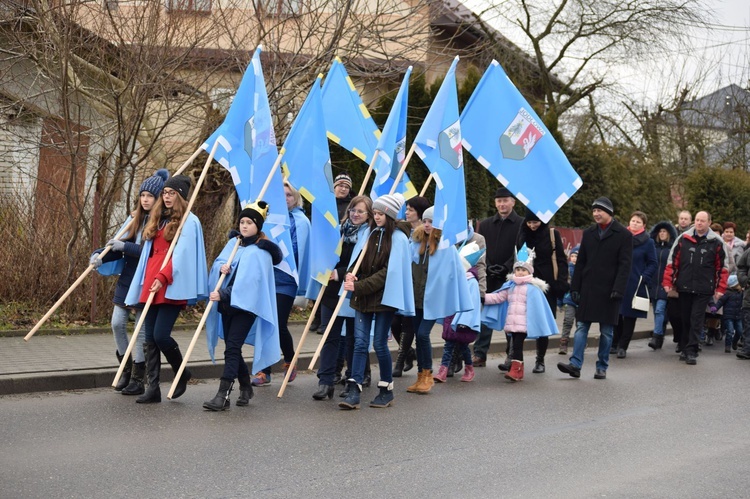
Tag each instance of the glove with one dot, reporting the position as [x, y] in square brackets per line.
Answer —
[95, 260]
[713, 310]
[117, 245]
[615, 295]
[497, 271]
[576, 297]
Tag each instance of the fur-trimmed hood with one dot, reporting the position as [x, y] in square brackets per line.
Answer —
[664, 224]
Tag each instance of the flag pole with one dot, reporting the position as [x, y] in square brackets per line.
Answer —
[369, 171]
[71, 289]
[426, 185]
[354, 271]
[164, 264]
[210, 304]
[188, 161]
[403, 168]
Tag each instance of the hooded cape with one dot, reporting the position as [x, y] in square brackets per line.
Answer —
[189, 272]
[446, 291]
[302, 227]
[254, 291]
[539, 319]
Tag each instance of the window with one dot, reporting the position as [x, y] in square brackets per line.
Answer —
[188, 5]
[280, 7]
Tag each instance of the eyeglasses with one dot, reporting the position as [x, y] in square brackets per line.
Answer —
[357, 212]
[168, 192]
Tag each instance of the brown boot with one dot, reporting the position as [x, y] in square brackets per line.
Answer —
[427, 382]
[415, 387]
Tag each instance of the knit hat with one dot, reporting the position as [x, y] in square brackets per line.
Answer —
[575, 249]
[343, 179]
[419, 204]
[429, 213]
[732, 281]
[155, 183]
[256, 212]
[525, 259]
[604, 204]
[181, 184]
[390, 204]
[503, 192]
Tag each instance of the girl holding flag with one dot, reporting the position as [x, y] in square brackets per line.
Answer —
[381, 287]
[246, 305]
[123, 260]
[182, 281]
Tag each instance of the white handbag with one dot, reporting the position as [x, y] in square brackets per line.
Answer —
[639, 302]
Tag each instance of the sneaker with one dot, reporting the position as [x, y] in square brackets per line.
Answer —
[691, 360]
[478, 361]
[286, 368]
[261, 379]
[600, 374]
[573, 371]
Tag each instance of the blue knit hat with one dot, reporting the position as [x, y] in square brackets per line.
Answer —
[155, 183]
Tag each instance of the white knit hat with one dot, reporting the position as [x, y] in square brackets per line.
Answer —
[390, 204]
[429, 213]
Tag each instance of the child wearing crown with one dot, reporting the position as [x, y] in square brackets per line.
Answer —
[520, 308]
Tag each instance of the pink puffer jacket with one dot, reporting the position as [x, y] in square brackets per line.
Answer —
[516, 298]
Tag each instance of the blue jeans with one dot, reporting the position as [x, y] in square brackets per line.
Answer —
[423, 327]
[120, 332]
[461, 349]
[579, 344]
[660, 317]
[732, 327]
[362, 325]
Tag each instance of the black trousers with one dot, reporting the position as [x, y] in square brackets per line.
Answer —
[236, 327]
[693, 313]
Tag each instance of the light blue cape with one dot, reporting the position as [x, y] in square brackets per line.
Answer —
[473, 317]
[446, 291]
[253, 290]
[539, 319]
[189, 272]
[302, 226]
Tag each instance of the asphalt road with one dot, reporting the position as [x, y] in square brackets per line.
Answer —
[654, 428]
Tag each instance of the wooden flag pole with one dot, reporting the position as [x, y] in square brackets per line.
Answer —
[302, 342]
[403, 168]
[202, 323]
[189, 161]
[210, 304]
[70, 289]
[172, 245]
[426, 185]
[369, 171]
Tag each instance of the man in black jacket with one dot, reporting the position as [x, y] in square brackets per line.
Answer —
[598, 284]
[500, 232]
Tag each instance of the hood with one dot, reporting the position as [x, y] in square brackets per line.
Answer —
[664, 224]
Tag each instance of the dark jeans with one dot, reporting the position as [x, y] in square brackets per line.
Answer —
[236, 327]
[693, 313]
[350, 349]
[283, 309]
[424, 347]
[461, 349]
[158, 325]
[623, 332]
[482, 343]
[330, 351]
[732, 327]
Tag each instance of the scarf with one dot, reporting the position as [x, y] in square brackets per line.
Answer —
[349, 231]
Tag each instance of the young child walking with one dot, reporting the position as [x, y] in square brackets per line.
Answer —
[246, 305]
[569, 319]
[181, 282]
[731, 320]
[521, 309]
[122, 260]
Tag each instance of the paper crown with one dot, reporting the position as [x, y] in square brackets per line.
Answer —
[525, 259]
[260, 206]
[470, 254]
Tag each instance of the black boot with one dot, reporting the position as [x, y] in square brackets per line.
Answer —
[539, 367]
[458, 362]
[324, 392]
[174, 357]
[136, 380]
[656, 342]
[505, 366]
[246, 391]
[220, 402]
[398, 368]
[345, 392]
[152, 394]
[125, 378]
[411, 356]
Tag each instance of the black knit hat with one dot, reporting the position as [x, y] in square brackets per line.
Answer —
[256, 212]
[155, 183]
[181, 184]
[604, 204]
[503, 192]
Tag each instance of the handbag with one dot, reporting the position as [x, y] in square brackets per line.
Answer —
[639, 302]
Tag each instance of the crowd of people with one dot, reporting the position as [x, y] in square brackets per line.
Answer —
[396, 281]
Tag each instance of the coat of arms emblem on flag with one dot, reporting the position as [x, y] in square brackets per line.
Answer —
[449, 143]
[521, 136]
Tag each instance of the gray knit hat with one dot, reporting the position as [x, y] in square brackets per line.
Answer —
[181, 184]
[155, 183]
[390, 204]
[429, 213]
[604, 204]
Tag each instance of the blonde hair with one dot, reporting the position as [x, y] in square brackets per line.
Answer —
[159, 211]
[427, 242]
[354, 202]
[295, 194]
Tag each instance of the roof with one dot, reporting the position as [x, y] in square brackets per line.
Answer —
[723, 109]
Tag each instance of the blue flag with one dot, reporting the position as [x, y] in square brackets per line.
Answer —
[308, 162]
[515, 146]
[247, 149]
[348, 122]
[439, 146]
[392, 148]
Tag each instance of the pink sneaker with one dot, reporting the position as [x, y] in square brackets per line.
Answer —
[442, 375]
[468, 374]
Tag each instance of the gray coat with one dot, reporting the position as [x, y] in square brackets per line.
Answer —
[603, 267]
